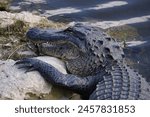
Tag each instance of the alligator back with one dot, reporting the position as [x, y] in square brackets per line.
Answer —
[121, 82]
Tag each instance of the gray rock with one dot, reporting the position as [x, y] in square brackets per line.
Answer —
[16, 84]
[7, 18]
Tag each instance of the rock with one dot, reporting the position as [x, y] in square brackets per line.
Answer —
[16, 84]
[7, 18]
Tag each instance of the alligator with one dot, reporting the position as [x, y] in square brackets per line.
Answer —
[95, 63]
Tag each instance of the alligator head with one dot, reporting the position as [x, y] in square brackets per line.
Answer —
[83, 48]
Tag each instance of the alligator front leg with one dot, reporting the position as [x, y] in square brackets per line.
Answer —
[79, 85]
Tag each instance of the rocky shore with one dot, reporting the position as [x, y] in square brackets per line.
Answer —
[14, 82]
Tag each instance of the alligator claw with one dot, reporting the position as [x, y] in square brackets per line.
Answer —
[27, 64]
[30, 69]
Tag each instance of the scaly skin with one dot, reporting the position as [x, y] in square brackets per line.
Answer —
[94, 61]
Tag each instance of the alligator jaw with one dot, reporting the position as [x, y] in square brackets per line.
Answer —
[53, 37]
[34, 47]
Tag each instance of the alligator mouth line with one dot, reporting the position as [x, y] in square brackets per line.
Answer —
[35, 45]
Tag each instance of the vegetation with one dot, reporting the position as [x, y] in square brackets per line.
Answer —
[17, 28]
[4, 4]
[124, 33]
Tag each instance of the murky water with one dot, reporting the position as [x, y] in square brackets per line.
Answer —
[103, 13]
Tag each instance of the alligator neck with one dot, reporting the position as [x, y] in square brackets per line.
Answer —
[83, 66]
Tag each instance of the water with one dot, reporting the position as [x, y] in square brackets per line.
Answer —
[133, 12]
[103, 13]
